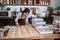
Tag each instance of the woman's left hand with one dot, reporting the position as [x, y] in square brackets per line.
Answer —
[27, 23]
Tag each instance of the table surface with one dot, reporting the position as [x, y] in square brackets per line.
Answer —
[27, 32]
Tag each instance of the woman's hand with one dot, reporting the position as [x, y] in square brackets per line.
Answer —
[17, 23]
[27, 23]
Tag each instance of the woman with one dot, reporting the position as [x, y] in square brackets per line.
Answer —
[22, 18]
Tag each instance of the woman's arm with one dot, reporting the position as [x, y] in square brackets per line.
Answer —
[27, 19]
[17, 17]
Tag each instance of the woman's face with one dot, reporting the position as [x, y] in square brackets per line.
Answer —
[25, 14]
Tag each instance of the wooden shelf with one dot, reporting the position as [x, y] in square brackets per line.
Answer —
[26, 2]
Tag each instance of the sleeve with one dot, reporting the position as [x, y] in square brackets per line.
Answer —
[18, 16]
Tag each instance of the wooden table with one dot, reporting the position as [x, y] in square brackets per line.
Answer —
[26, 32]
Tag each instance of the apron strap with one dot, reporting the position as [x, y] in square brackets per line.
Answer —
[22, 21]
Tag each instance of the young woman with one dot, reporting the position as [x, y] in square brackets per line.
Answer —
[22, 18]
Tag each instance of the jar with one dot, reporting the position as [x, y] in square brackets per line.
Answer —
[1, 32]
[59, 23]
[56, 23]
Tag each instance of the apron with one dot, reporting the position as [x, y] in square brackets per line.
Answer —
[30, 20]
[22, 21]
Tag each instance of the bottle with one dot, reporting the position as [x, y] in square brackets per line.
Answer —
[59, 23]
[20, 9]
[43, 2]
[40, 2]
[47, 3]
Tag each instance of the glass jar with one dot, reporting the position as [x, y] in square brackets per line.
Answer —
[1, 32]
[56, 23]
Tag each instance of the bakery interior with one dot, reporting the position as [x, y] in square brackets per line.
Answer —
[44, 23]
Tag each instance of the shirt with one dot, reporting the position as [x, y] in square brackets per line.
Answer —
[19, 15]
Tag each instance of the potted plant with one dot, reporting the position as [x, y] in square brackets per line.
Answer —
[48, 17]
[58, 9]
[2, 6]
[8, 9]
[50, 11]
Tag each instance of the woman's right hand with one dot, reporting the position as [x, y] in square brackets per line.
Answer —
[17, 23]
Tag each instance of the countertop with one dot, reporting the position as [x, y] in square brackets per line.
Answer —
[30, 36]
[5, 17]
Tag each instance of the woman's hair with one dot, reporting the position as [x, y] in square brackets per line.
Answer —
[26, 10]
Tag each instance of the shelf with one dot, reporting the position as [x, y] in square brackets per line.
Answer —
[26, 2]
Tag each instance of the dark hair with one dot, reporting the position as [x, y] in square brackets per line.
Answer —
[26, 10]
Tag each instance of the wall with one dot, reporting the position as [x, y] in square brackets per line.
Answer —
[40, 9]
[17, 7]
[54, 3]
